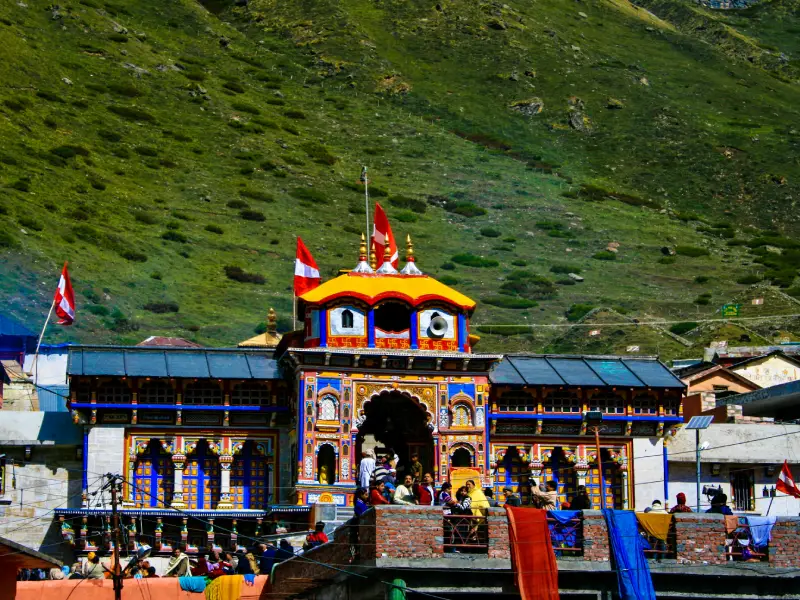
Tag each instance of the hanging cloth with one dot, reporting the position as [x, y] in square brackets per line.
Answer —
[633, 572]
[196, 584]
[655, 524]
[761, 530]
[564, 528]
[227, 587]
[535, 568]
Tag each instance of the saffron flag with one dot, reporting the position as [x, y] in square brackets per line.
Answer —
[64, 299]
[306, 272]
[786, 482]
[380, 231]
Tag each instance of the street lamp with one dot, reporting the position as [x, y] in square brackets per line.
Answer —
[594, 420]
[697, 423]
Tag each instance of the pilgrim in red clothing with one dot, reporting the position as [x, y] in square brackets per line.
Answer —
[376, 495]
[424, 492]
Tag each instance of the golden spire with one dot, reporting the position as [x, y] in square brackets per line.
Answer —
[362, 249]
[373, 260]
[272, 321]
[411, 265]
[409, 249]
[387, 250]
[387, 268]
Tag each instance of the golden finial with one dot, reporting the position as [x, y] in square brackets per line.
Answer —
[409, 249]
[362, 249]
[387, 250]
[373, 259]
[272, 321]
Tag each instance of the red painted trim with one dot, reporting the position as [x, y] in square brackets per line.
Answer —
[372, 301]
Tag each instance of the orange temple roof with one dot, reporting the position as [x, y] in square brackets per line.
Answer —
[370, 288]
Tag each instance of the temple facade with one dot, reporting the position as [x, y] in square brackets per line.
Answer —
[219, 446]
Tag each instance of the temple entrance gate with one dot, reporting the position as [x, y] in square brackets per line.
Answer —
[395, 421]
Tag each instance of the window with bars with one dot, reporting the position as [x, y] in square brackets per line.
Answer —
[156, 392]
[250, 393]
[611, 404]
[114, 393]
[328, 409]
[562, 402]
[743, 491]
[153, 478]
[203, 392]
[672, 406]
[516, 402]
[201, 479]
[645, 404]
[83, 393]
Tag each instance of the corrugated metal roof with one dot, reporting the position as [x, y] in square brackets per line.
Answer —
[137, 361]
[585, 371]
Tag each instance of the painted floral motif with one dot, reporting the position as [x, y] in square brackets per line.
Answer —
[309, 467]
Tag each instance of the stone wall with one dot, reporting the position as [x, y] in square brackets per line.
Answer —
[106, 454]
[700, 538]
[596, 547]
[51, 479]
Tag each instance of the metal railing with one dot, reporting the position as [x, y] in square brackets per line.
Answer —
[566, 537]
[466, 533]
[739, 545]
[657, 549]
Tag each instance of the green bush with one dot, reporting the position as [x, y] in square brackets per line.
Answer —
[294, 114]
[517, 262]
[749, 279]
[565, 281]
[234, 86]
[69, 151]
[490, 232]
[30, 223]
[124, 89]
[145, 151]
[794, 292]
[549, 225]
[22, 185]
[692, 251]
[512, 302]
[132, 114]
[309, 195]
[121, 152]
[701, 279]
[109, 136]
[565, 268]
[214, 229]
[145, 218]
[174, 236]
[118, 37]
[681, 328]
[528, 285]
[132, 255]
[667, 260]
[7, 240]
[702, 300]
[252, 215]
[448, 280]
[162, 307]
[448, 266]
[17, 104]
[257, 195]
[470, 260]
[319, 153]
[412, 204]
[98, 309]
[239, 274]
[405, 216]
[466, 209]
[244, 107]
[236, 204]
[605, 255]
[49, 96]
[577, 311]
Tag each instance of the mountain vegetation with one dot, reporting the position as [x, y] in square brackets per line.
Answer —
[555, 161]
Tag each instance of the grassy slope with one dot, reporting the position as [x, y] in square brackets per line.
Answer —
[199, 97]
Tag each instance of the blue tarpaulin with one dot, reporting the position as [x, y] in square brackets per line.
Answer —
[633, 572]
[564, 532]
[760, 530]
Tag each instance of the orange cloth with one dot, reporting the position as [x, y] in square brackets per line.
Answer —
[535, 568]
[731, 523]
[655, 524]
[157, 588]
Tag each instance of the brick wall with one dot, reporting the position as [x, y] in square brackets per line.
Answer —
[784, 549]
[499, 546]
[595, 537]
[700, 538]
[409, 531]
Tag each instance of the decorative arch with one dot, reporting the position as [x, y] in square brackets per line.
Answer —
[328, 404]
[462, 415]
[462, 454]
[423, 404]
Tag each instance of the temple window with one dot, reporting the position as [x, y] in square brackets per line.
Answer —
[393, 317]
[153, 477]
[156, 392]
[562, 401]
[612, 404]
[203, 392]
[250, 479]
[83, 393]
[250, 393]
[516, 402]
[327, 409]
[347, 319]
[114, 392]
[201, 479]
[671, 405]
[645, 404]
[462, 416]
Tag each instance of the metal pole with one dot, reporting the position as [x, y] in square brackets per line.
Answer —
[366, 201]
[600, 467]
[116, 575]
[697, 465]
[39, 343]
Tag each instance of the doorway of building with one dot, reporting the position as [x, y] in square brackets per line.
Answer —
[611, 483]
[461, 457]
[559, 469]
[512, 472]
[398, 423]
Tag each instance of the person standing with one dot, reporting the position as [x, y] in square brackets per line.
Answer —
[424, 492]
[547, 499]
[581, 501]
[681, 506]
[266, 557]
[512, 498]
[416, 468]
[404, 494]
[366, 468]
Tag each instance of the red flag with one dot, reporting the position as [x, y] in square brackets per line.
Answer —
[380, 230]
[786, 482]
[306, 272]
[65, 299]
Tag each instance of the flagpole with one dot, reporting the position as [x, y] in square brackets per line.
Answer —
[39, 343]
[771, 499]
[366, 200]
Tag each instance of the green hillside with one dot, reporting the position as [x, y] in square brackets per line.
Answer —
[171, 151]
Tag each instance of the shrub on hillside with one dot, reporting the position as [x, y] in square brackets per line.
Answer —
[412, 204]
[234, 86]
[517, 262]
[605, 255]
[252, 215]
[692, 251]
[257, 195]
[681, 328]
[109, 136]
[701, 279]
[294, 114]
[244, 107]
[749, 279]
[145, 151]
[236, 204]
[124, 89]
[577, 311]
[132, 255]
[528, 285]
[132, 114]
[214, 229]
[162, 307]
[7, 240]
[239, 274]
[30, 223]
[319, 153]
[448, 280]
[490, 232]
[666, 260]
[69, 151]
[466, 209]
[565, 268]
[512, 302]
[309, 195]
[405, 216]
[470, 260]
[448, 266]
[174, 236]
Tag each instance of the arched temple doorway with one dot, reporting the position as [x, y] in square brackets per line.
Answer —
[326, 465]
[461, 457]
[399, 423]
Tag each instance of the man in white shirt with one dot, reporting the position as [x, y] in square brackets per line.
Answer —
[404, 493]
[366, 468]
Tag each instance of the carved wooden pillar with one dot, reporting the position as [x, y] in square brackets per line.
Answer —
[179, 462]
[225, 464]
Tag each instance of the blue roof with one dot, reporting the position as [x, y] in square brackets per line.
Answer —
[11, 327]
[584, 371]
[135, 361]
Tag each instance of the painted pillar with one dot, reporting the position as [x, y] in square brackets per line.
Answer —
[462, 332]
[179, 462]
[625, 502]
[323, 328]
[225, 464]
[371, 328]
[414, 330]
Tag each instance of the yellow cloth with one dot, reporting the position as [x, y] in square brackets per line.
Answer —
[655, 524]
[480, 504]
[227, 587]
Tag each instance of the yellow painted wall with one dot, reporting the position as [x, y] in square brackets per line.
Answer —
[707, 384]
[770, 371]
